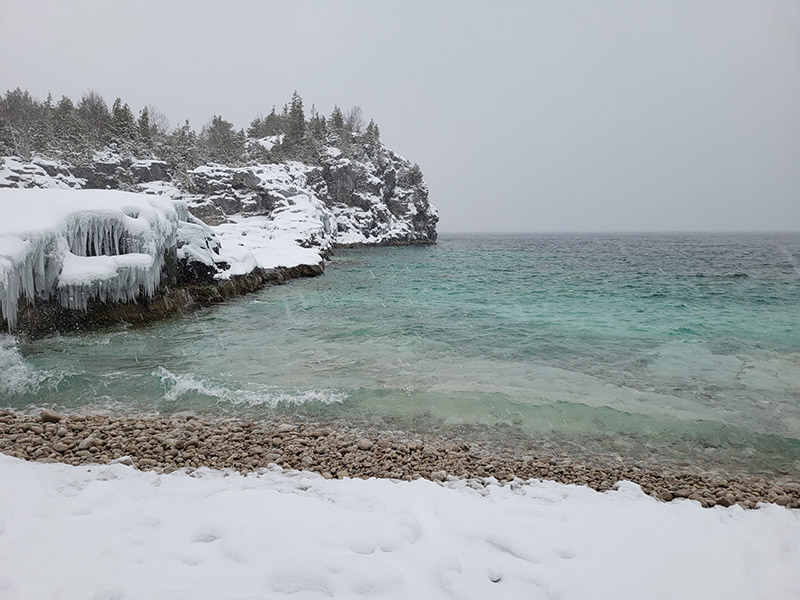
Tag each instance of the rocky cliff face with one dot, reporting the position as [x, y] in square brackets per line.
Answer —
[379, 199]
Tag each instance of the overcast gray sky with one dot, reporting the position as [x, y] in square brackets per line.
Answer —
[524, 116]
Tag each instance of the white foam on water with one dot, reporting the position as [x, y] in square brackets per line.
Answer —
[687, 363]
[178, 388]
[17, 377]
[772, 371]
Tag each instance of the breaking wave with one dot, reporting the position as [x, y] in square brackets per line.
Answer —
[182, 387]
[17, 377]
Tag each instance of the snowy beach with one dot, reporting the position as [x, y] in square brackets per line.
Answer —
[185, 506]
[112, 531]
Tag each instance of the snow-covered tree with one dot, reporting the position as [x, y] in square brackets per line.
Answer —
[296, 122]
[44, 139]
[144, 131]
[69, 131]
[122, 128]
[222, 143]
[18, 114]
[94, 115]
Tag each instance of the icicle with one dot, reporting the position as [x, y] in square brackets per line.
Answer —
[112, 254]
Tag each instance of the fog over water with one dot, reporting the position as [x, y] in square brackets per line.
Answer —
[534, 116]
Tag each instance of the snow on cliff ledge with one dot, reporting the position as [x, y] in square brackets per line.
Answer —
[271, 212]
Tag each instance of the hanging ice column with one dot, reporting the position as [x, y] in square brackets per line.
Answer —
[77, 245]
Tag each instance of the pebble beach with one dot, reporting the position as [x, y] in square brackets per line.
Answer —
[184, 441]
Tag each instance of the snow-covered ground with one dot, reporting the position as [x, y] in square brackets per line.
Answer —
[111, 531]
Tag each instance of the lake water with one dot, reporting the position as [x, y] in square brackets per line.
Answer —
[675, 347]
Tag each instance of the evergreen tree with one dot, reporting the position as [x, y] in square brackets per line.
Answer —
[296, 123]
[93, 113]
[372, 139]
[337, 120]
[222, 143]
[69, 131]
[144, 131]
[181, 151]
[273, 124]
[256, 130]
[122, 128]
[373, 133]
[44, 139]
[19, 112]
[317, 127]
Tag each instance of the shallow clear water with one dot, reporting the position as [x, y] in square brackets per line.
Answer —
[685, 347]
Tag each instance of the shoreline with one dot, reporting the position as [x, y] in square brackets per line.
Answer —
[48, 318]
[168, 443]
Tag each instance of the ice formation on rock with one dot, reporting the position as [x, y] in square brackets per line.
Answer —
[77, 245]
[277, 215]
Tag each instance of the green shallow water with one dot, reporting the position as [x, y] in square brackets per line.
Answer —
[685, 347]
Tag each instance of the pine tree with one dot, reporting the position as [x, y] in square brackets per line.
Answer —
[144, 132]
[296, 123]
[372, 139]
[93, 113]
[19, 113]
[44, 139]
[373, 133]
[256, 130]
[122, 128]
[337, 120]
[70, 132]
[317, 126]
[181, 151]
[222, 143]
[273, 124]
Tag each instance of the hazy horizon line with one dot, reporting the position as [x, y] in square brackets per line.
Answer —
[621, 232]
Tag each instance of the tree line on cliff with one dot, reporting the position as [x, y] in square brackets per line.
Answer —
[74, 132]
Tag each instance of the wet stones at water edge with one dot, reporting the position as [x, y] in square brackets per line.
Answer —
[167, 443]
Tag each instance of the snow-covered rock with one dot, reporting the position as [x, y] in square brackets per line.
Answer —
[268, 210]
[73, 246]
[377, 200]
[39, 173]
[373, 198]
[286, 216]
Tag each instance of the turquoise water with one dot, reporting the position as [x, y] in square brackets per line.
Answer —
[684, 347]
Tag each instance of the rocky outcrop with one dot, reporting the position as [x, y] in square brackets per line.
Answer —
[374, 201]
[70, 257]
[105, 171]
[173, 298]
[276, 221]
[38, 173]
[378, 198]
